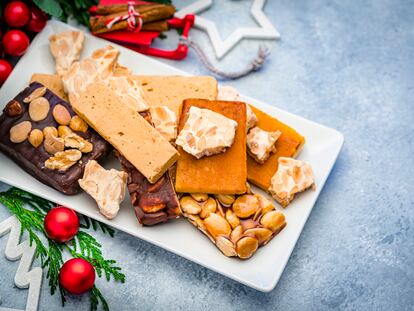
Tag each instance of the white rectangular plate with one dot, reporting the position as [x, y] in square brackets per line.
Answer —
[263, 270]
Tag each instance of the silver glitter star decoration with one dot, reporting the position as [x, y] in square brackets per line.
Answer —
[221, 47]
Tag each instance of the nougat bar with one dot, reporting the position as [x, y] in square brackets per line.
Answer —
[170, 91]
[289, 144]
[223, 173]
[141, 144]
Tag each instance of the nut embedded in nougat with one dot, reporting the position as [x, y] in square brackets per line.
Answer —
[292, 176]
[206, 133]
[260, 143]
[165, 121]
[107, 187]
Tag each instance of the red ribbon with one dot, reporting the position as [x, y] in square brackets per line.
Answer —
[130, 18]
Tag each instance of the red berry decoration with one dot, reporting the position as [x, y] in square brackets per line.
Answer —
[61, 224]
[37, 20]
[16, 14]
[77, 276]
[5, 70]
[15, 42]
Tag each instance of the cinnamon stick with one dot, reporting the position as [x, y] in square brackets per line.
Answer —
[149, 14]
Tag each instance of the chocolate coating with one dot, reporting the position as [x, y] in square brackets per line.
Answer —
[146, 196]
[32, 159]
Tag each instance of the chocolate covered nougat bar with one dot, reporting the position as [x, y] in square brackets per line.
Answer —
[153, 203]
[41, 133]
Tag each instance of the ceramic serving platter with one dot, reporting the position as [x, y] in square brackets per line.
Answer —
[264, 269]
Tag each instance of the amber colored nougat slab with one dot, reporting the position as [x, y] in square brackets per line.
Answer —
[289, 144]
[140, 143]
[223, 173]
[52, 82]
[170, 91]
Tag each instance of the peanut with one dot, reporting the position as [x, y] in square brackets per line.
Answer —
[189, 205]
[236, 234]
[36, 137]
[77, 124]
[233, 220]
[20, 131]
[225, 199]
[50, 130]
[265, 204]
[199, 197]
[38, 109]
[61, 115]
[246, 247]
[208, 207]
[263, 235]
[226, 246]
[63, 130]
[245, 205]
[273, 220]
[217, 225]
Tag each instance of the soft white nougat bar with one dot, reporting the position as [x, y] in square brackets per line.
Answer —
[126, 130]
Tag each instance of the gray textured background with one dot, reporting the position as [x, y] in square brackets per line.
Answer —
[345, 64]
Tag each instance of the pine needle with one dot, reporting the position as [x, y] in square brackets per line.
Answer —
[83, 245]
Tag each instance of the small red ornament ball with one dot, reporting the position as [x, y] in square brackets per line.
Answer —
[61, 224]
[16, 14]
[37, 20]
[5, 70]
[77, 276]
[15, 42]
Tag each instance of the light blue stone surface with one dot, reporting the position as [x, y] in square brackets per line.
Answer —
[348, 65]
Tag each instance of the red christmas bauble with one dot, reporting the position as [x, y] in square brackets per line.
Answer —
[37, 20]
[77, 276]
[15, 42]
[5, 70]
[61, 224]
[16, 14]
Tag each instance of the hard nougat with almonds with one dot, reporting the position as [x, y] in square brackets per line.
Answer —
[223, 173]
[123, 127]
[289, 144]
[237, 225]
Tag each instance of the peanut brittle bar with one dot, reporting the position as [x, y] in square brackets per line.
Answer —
[237, 225]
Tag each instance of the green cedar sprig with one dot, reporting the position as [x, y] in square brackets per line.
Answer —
[50, 255]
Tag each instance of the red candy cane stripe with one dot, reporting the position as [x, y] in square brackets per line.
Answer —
[130, 18]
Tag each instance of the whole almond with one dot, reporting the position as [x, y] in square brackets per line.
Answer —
[61, 115]
[246, 247]
[19, 132]
[36, 137]
[217, 225]
[38, 109]
[13, 108]
[39, 92]
[50, 130]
